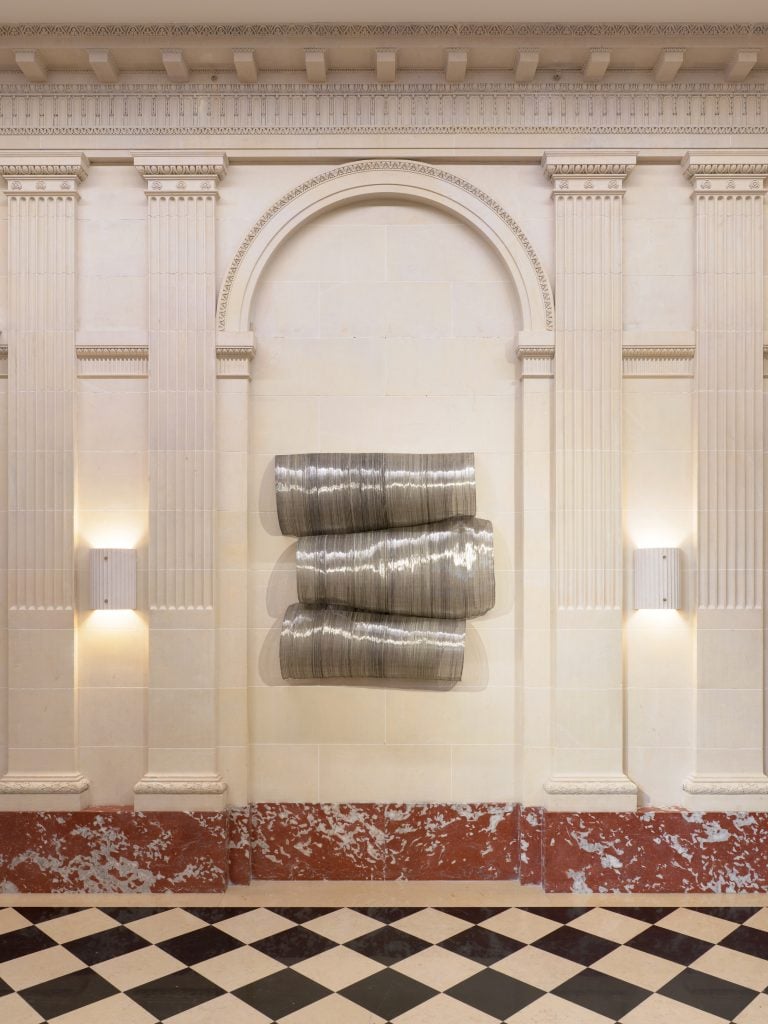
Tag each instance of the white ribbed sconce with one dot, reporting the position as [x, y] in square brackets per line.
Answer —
[113, 578]
[657, 578]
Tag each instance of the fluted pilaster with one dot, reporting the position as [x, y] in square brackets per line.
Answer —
[181, 201]
[728, 192]
[588, 736]
[42, 196]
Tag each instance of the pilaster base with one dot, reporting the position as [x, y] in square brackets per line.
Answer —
[180, 793]
[604, 793]
[727, 793]
[65, 791]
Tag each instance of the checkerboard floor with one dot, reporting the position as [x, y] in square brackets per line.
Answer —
[470, 965]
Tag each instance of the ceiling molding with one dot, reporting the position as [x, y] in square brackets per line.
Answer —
[333, 30]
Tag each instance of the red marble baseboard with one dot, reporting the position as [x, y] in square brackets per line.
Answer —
[294, 842]
[121, 850]
[655, 851]
[113, 851]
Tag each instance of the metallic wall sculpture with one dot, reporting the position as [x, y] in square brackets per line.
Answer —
[390, 562]
[443, 570]
[333, 643]
[345, 493]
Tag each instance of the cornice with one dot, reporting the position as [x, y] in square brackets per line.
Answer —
[185, 166]
[36, 166]
[573, 164]
[353, 30]
[726, 163]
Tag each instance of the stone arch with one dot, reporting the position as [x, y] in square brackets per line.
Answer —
[386, 179]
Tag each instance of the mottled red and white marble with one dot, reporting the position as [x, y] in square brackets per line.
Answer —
[239, 845]
[384, 841]
[656, 851]
[113, 851]
[317, 841]
[531, 849]
[452, 841]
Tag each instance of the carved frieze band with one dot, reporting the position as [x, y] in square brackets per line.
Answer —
[41, 345]
[157, 107]
[112, 360]
[182, 377]
[730, 315]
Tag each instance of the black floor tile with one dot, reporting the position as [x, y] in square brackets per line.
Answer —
[739, 915]
[199, 945]
[705, 992]
[282, 993]
[387, 915]
[67, 993]
[495, 994]
[560, 914]
[23, 941]
[581, 947]
[387, 945]
[651, 915]
[748, 940]
[127, 915]
[300, 915]
[481, 945]
[95, 949]
[39, 915]
[388, 993]
[215, 915]
[5, 990]
[174, 993]
[294, 945]
[602, 994]
[474, 915]
[670, 945]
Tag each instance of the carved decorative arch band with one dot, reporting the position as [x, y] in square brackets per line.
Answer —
[403, 179]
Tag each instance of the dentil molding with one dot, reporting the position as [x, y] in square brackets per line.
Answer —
[367, 30]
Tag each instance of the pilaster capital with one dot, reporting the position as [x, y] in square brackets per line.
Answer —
[181, 173]
[588, 172]
[37, 174]
[731, 172]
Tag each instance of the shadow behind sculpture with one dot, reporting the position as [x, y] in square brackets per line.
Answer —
[382, 603]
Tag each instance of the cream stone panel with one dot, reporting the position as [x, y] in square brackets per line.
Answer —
[431, 716]
[379, 774]
[482, 773]
[284, 771]
[317, 714]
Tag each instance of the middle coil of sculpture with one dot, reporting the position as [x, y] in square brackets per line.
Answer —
[389, 603]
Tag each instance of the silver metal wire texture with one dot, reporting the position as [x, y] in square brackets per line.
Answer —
[348, 492]
[336, 643]
[442, 570]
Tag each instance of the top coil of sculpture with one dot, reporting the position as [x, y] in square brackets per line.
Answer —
[389, 599]
[346, 493]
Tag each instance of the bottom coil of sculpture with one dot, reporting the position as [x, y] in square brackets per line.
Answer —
[336, 643]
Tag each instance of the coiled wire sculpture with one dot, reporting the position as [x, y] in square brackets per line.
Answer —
[390, 564]
[336, 643]
[443, 570]
[346, 493]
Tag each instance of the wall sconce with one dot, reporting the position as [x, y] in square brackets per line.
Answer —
[113, 578]
[657, 577]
